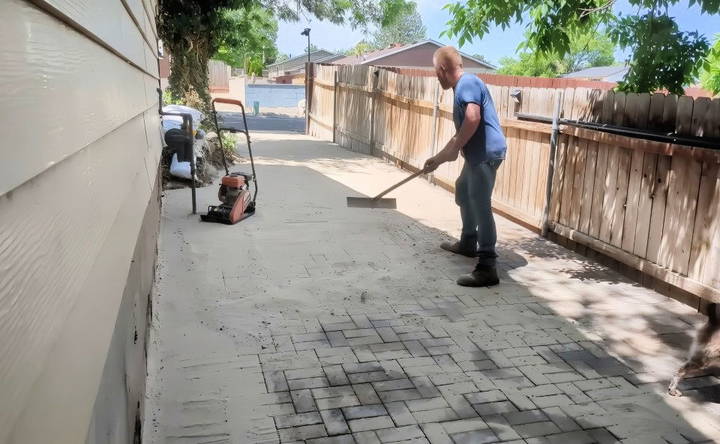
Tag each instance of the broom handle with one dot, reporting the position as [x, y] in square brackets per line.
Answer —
[402, 182]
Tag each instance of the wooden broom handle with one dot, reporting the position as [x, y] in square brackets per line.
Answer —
[402, 182]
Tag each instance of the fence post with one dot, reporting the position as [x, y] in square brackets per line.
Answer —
[551, 162]
[335, 94]
[373, 101]
[308, 95]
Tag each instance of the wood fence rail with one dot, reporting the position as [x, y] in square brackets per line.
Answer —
[651, 206]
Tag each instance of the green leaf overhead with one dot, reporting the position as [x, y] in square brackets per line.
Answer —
[661, 56]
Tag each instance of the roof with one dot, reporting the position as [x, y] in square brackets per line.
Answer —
[316, 56]
[607, 73]
[370, 57]
[373, 55]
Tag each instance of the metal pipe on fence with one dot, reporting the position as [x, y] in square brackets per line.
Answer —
[554, 136]
[657, 136]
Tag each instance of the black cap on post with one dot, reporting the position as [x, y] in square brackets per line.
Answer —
[306, 32]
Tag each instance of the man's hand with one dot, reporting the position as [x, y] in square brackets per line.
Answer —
[431, 165]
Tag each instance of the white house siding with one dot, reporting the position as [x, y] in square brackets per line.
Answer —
[79, 212]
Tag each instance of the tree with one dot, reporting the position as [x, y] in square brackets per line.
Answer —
[248, 38]
[313, 48]
[362, 47]
[188, 29]
[586, 50]
[408, 28]
[661, 56]
[481, 57]
[710, 75]
[528, 64]
[192, 31]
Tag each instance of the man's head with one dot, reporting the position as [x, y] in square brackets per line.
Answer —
[448, 66]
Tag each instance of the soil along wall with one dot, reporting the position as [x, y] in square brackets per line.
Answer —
[79, 213]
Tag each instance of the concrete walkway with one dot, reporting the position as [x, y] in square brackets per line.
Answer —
[314, 322]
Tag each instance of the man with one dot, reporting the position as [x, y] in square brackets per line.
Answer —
[481, 141]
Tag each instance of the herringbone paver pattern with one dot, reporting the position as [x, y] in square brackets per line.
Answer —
[362, 336]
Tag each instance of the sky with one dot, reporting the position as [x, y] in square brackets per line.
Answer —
[497, 44]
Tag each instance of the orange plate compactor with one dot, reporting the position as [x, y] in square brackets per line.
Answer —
[236, 201]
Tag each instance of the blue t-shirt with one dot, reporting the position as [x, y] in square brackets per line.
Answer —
[488, 142]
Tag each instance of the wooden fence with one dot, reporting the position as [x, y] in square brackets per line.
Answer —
[651, 206]
[218, 76]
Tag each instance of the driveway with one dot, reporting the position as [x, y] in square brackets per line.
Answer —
[269, 122]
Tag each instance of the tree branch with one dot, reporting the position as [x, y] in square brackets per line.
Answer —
[587, 11]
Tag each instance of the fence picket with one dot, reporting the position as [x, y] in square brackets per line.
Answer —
[648, 181]
[637, 119]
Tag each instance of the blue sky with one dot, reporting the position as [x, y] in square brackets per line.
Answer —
[497, 44]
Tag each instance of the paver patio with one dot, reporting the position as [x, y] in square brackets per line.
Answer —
[315, 322]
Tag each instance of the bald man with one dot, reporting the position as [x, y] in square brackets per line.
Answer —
[481, 141]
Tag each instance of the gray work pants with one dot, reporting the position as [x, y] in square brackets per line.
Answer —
[473, 194]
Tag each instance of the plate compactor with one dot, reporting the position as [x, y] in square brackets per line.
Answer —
[236, 201]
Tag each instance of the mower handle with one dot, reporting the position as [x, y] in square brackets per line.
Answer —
[229, 101]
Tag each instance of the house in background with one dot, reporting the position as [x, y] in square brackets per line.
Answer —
[412, 56]
[293, 69]
[602, 73]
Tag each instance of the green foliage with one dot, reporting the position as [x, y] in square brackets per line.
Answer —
[529, 64]
[313, 48]
[549, 27]
[710, 75]
[168, 98]
[662, 56]
[247, 38]
[192, 30]
[481, 57]
[408, 28]
[362, 47]
[587, 49]
[356, 13]
[229, 140]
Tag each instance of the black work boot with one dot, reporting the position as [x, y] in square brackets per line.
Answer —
[482, 276]
[466, 246]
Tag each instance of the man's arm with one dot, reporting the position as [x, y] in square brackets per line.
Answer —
[469, 126]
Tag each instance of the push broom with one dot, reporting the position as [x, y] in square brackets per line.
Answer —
[378, 201]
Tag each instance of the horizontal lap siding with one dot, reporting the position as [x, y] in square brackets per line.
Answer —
[60, 93]
[80, 157]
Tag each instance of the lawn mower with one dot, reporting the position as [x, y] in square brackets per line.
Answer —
[236, 202]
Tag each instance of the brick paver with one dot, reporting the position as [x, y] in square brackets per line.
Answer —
[313, 322]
